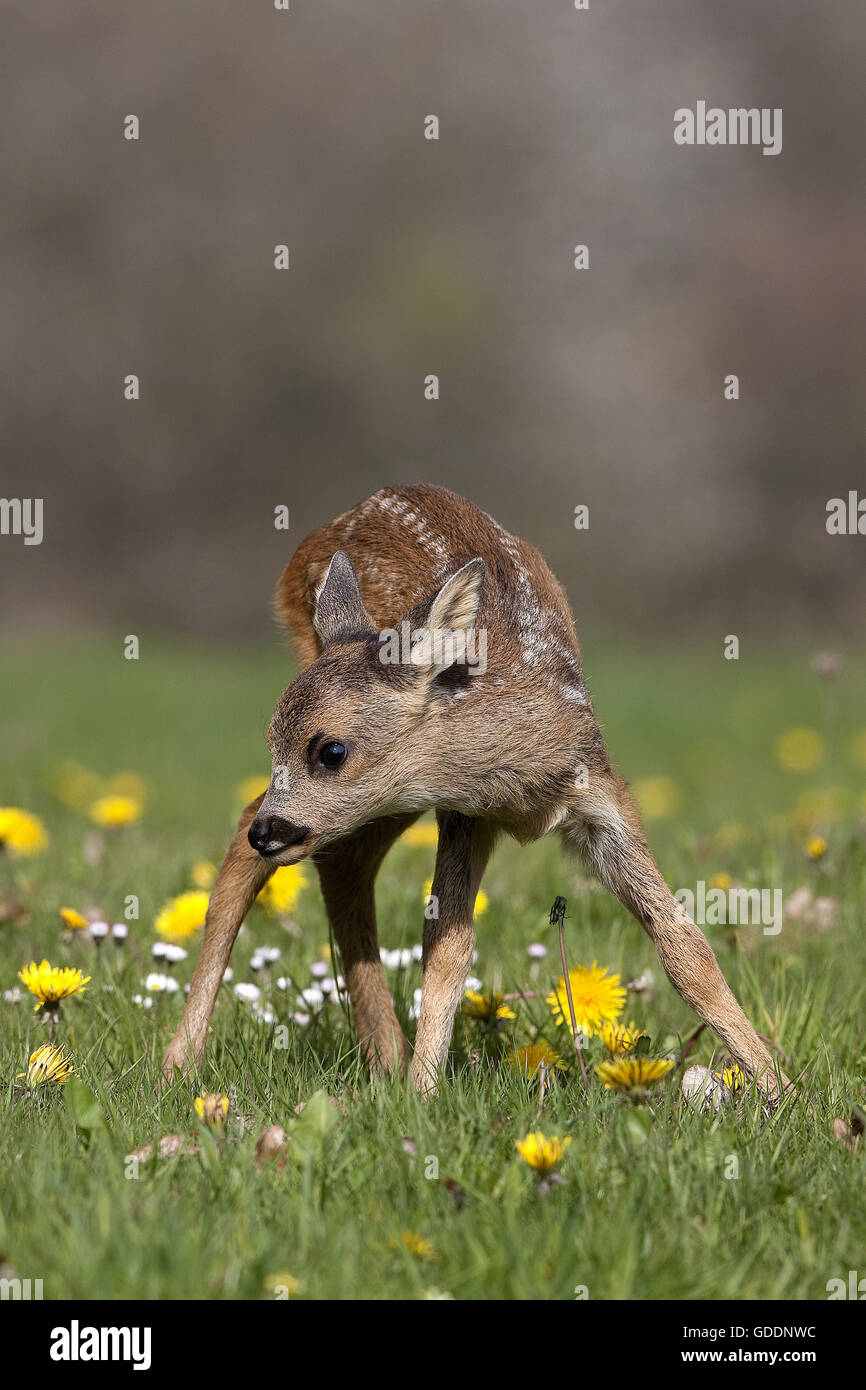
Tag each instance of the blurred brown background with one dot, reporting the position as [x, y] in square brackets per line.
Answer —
[412, 257]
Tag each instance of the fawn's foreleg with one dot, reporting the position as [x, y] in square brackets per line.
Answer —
[608, 834]
[347, 871]
[449, 938]
[242, 876]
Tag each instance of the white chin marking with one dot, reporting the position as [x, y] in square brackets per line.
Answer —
[286, 857]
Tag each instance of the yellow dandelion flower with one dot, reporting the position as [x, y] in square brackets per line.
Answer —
[482, 902]
[76, 786]
[82, 790]
[598, 998]
[728, 836]
[800, 750]
[21, 832]
[73, 919]
[632, 1073]
[424, 835]
[822, 806]
[51, 983]
[419, 1246]
[528, 1059]
[282, 890]
[212, 1108]
[282, 1285]
[251, 787]
[657, 797]
[722, 881]
[182, 916]
[48, 1066]
[621, 1037]
[731, 1077]
[486, 1006]
[202, 874]
[128, 784]
[541, 1153]
[112, 811]
[816, 847]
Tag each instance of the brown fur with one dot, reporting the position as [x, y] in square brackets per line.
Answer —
[516, 749]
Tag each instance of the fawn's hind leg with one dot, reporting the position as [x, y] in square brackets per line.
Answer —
[606, 830]
[464, 848]
[242, 876]
[347, 870]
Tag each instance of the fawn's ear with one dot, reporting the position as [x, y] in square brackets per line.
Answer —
[340, 615]
[453, 612]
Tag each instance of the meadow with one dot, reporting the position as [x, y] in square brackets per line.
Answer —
[751, 773]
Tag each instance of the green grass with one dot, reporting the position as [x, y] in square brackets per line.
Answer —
[645, 1210]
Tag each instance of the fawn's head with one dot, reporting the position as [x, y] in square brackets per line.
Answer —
[347, 737]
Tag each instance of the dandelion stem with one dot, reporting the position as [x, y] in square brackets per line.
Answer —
[542, 1083]
[558, 915]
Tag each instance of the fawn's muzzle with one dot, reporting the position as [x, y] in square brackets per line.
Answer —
[271, 834]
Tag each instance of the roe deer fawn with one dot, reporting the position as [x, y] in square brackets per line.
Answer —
[362, 744]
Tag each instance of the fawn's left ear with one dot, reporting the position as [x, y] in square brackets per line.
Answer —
[340, 614]
[452, 615]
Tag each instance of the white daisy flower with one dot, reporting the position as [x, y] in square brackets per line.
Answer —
[264, 956]
[158, 983]
[250, 994]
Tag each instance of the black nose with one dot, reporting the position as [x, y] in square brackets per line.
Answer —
[275, 832]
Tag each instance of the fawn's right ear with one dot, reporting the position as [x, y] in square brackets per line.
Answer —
[340, 615]
[452, 613]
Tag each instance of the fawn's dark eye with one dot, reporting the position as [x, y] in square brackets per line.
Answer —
[332, 753]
